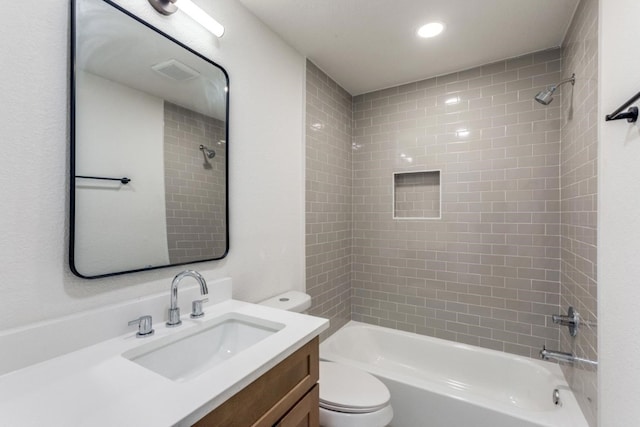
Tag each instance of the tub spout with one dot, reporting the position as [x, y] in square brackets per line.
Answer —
[555, 355]
[561, 356]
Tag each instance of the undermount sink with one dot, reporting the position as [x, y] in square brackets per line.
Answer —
[186, 354]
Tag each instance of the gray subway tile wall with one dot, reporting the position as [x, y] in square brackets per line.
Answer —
[487, 273]
[517, 238]
[195, 187]
[328, 185]
[417, 195]
[578, 176]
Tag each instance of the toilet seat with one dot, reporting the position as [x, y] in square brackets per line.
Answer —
[350, 390]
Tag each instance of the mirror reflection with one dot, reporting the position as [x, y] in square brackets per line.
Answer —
[149, 147]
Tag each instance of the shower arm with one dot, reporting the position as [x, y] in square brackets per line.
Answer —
[571, 79]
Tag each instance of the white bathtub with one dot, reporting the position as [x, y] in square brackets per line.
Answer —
[438, 383]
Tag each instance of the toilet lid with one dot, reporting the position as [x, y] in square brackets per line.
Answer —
[351, 390]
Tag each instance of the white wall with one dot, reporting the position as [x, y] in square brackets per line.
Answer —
[119, 227]
[619, 219]
[265, 150]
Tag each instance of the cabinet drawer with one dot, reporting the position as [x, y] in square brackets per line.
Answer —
[266, 400]
[306, 413]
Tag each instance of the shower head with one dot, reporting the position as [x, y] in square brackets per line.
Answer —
[546, 96]
[207, 152]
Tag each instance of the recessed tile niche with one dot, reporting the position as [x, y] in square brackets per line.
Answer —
[416, 195]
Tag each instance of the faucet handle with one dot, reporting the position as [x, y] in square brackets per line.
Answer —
[571, 320]
[196, 308]
[145, 326]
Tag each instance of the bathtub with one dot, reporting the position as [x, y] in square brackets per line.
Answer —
[439, 383]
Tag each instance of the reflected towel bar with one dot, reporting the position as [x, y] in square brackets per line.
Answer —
[631, 115]
[123, 180]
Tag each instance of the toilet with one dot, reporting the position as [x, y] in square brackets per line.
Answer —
[349, 397]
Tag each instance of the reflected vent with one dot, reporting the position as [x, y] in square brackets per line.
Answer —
[175, 70]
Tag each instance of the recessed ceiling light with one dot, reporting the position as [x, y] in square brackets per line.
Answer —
[431, 29]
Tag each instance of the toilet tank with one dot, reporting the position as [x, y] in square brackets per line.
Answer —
[291, 301]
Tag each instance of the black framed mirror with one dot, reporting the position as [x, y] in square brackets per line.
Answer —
[149, 147]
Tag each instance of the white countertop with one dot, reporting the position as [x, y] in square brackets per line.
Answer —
[96, 386]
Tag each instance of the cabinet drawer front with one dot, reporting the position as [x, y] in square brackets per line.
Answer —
[306, 413]
[266, 400]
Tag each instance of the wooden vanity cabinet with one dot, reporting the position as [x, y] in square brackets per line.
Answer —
[305, 413]
[285, 396]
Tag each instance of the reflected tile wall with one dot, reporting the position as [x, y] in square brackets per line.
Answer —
[195, 188]
[579, 189]
[488, 272]
[328, 198]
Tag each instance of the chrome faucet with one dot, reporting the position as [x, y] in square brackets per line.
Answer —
[174, 310]
[561, 356]
[571, 320]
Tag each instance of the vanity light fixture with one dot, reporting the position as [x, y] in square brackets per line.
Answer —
[431, 29]
[169, 7]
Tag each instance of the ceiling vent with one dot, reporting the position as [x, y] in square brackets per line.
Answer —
[175, 70]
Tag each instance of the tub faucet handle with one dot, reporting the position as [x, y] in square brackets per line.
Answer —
[570, 320]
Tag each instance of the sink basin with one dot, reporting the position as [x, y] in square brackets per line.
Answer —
[186, 354]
